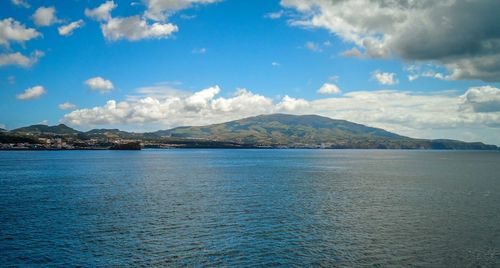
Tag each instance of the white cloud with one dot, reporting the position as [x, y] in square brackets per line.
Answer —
[201, 99]
[102, 12]
[182, 109]
[275, 15]
[313, 46]
[461, 36]
[275, 64]
[329, 88]
[18, 59]
[448, 114]
[68, 29]
[99, 84]
[201, 50]
[2, 126]
[415, 115]
[159, 10]
[385, 78]
[135, 28]
[45, 16]
[289, 104]
[21, 3]
[416, 71]
[484, 99]
[31, 93]
[67, 106]
[150, 25]
[13, 31]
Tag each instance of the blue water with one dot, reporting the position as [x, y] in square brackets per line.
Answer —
[333, 208]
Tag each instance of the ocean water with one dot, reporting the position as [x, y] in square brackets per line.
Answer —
[332, 208]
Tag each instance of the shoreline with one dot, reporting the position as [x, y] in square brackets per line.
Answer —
[250, 148]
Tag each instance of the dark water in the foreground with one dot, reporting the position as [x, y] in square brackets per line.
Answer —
[250, 208]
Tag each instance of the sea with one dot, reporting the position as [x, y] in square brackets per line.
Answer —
[250, 208]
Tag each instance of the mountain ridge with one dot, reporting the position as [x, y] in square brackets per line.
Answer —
[270, 131]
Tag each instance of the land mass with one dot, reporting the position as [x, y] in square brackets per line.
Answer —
[264, 131]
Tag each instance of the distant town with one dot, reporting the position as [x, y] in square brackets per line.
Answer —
[62, 137]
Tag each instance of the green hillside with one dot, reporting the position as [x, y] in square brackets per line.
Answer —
[60, 129]
[286, 130]
[270, 131]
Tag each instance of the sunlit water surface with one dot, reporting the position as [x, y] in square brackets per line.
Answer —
[250, 208]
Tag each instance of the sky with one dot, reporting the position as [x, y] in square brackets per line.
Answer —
[425, 69]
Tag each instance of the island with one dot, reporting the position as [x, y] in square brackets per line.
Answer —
[264, 131]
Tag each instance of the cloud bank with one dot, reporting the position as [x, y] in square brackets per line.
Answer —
[462, 36]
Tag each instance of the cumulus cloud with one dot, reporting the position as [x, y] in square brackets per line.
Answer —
[150, 25]
[20, 3]
[31, 93]
[67, 106]
[13, 31]
[18, 59]
[289, 104]
[99, 84]
[385, 78]
[462, 36]
[484, 99]
[102, 12]
[159, 10]
[68, 29]
[45, 16]
[328, 88]
[200, 99]
[135, 28]
[442, 114]
[183, 109]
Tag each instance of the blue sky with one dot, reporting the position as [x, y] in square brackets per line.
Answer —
[210, 61]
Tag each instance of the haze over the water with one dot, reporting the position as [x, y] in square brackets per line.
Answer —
[426, 69]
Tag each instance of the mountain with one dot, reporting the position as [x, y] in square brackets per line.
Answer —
[60, 129]
[290, 130]
[264, 131]
[305, 131]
